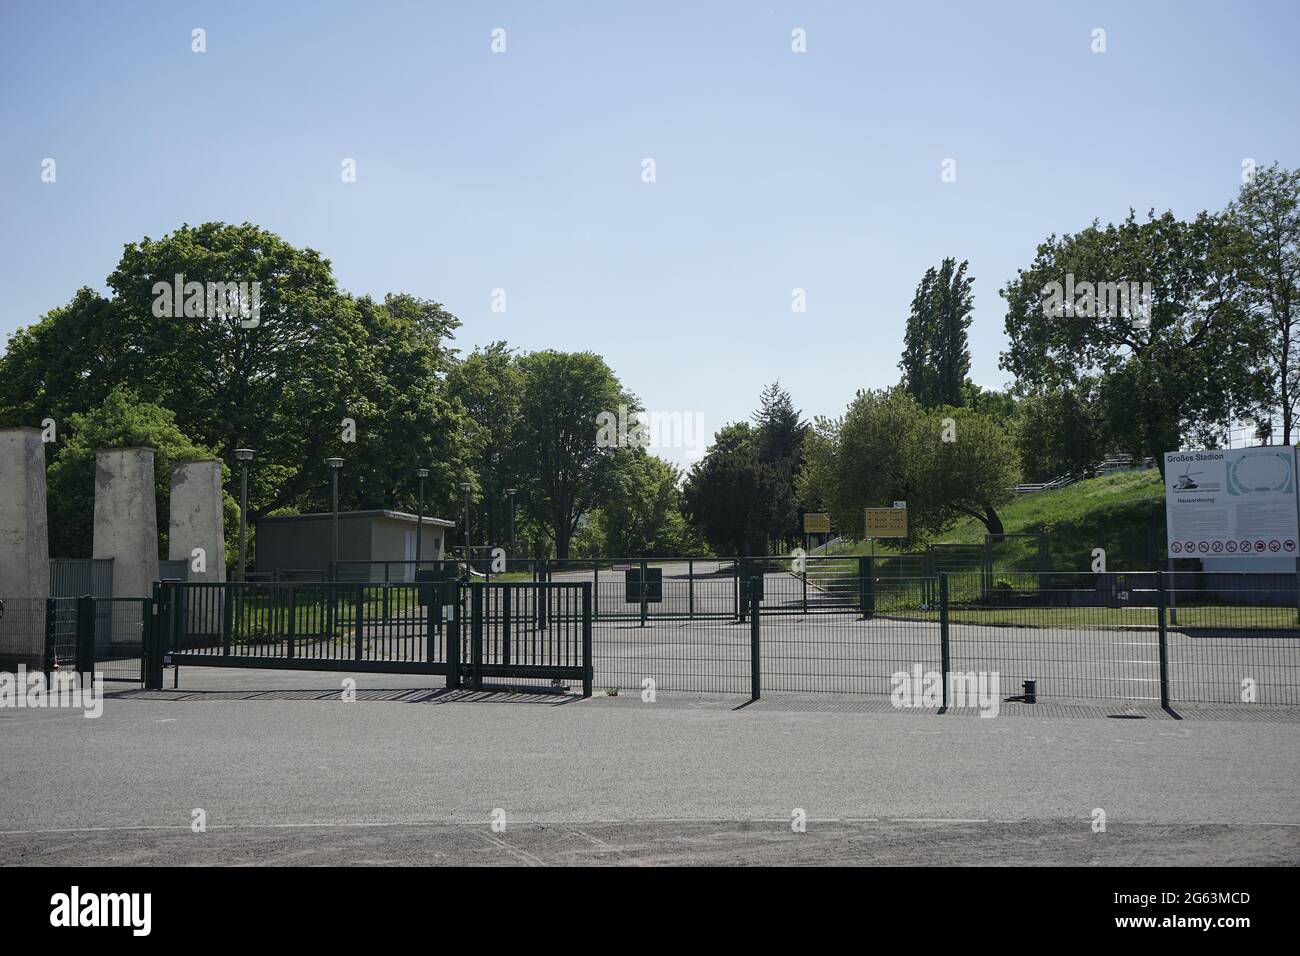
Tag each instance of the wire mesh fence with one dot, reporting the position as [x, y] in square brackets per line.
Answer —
[24, 639]
[697, 656]
[60, 633]
[689, 626]
[304, 621]
[1135, 637]
[119, 637]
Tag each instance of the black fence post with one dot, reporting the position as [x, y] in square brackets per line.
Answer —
[431, 612]
[49, 655]
[735, 588]
[544, 597]
[358, 617]
[1163, 639]
[927, 574]
[146, 623]
[755, 680]
[986, 571]
[453, 639]
[588, 671]
[864, 587]
[86, 635]
[227, 617]
[806, 559]
[505, 624]
[690, 588]
[332, 607]
[945, 653]
[155, 635]
[476, 634]
[871, 586]
[291, 630]
[645, 580]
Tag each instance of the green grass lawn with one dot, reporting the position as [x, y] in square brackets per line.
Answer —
[1123, 513]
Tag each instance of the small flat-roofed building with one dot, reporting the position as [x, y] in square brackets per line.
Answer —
[305, 543]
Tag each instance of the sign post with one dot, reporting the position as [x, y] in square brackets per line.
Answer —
[1238, 503]
[814, 522]
[886, 523]
[1234, 503]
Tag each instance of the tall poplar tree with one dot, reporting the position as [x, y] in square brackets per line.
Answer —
[936, 357]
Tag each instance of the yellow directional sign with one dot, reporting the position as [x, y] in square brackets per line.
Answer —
[816, 522]
[886, 522]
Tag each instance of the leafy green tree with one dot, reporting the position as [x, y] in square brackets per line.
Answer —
[779, 435]
[120, 421]
[67, 362]
[1266, 217]
[280, 386]
[728, 493]
[565, 471]
[997, 405]
[488, 384]
[406, 416]
[1182, 360]
[867, 458]
[279, 377]
[967, 466]
[1059, 432]
[936, 358]
[642, 513]
[945, 463]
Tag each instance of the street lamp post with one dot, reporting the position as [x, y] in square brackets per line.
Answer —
[335, 464]
[243, 456]
[465, 486]
[510, 493]
[421, 473]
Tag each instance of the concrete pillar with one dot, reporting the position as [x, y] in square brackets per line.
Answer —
[196, 522]
[196, 519]
[24, 547]
[126, 530]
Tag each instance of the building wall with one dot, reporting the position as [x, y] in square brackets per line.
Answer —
[388, 540]
[306, 543]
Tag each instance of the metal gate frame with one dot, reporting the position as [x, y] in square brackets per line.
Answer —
[465, 662]
[86, 656]
[544, 615]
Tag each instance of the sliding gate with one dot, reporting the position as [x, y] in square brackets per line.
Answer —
[469, 633]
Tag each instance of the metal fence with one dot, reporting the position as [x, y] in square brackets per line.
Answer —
[22, 632]
[118, 637]
[312, 624]
[467, 632]
[1070, 636]
[74, 577]
[1140, 637]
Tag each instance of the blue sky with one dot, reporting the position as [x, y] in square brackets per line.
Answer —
[522, 170]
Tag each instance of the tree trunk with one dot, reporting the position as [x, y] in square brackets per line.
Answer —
[993, 524]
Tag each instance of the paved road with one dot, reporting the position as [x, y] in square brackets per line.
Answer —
[269, 753]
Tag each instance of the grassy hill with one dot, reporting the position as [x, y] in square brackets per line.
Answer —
[1123, 513]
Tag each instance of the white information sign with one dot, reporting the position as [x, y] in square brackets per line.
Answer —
[1232, 503]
